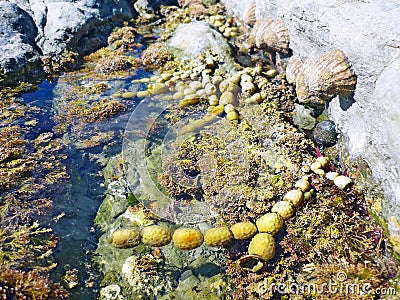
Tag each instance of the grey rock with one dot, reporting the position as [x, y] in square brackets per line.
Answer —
[367, 32]
[302, 117]
[202, 37]
[188, 283]
[32, 28]
[17, 40]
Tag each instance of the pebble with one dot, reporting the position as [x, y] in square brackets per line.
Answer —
[325, 133]
[284, 208]
[342, 181]
[243, 230]
[332, 175]
[218, 236]
[232, 115]
[227, 98]
[128, 95]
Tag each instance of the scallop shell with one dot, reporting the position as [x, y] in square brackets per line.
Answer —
[293, 68]
[329, 75]
[249, 15]
[272, 34]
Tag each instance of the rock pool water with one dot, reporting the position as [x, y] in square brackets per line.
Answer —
[77, 199]
[233, 151]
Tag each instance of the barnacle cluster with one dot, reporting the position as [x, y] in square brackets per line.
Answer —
[54, 64]
[124, 38]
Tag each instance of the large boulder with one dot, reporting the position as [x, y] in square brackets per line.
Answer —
[202, 38]
[368, 33]
[35, 27]
[17, 40]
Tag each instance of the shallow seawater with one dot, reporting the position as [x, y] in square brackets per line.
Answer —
[77, 199]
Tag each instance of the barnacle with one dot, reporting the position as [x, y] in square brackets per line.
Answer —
[123, 39]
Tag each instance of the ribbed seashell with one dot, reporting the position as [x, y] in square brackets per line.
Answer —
[249, 15]
[293, 68]
[329, 75]
[272, 34]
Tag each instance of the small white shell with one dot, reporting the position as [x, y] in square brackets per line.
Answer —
[332, 175]
[342, 181]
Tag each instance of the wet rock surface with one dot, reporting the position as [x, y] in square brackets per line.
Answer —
[370, 39]
[32, 28]
[18, 32]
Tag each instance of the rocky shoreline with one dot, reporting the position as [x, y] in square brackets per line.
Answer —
[237, 128]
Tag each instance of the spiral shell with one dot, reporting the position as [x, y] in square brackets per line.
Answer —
[187, 238]
[249, 15]
[218, 236]
[272, 34]
[329, 75]
[293, 68]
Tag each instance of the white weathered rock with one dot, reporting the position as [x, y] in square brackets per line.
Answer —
[342, 181]
[368, 33]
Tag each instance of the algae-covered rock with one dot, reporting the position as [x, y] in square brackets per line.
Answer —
[213, 288]
[202, 37]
